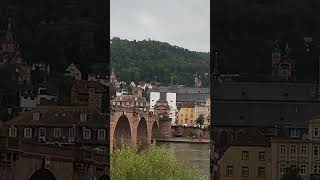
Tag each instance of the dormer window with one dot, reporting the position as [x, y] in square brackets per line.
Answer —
[12, 131]
[36, 116]
[294, 132]
[83, 117]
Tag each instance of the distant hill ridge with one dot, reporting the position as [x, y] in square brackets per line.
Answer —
[150, 60]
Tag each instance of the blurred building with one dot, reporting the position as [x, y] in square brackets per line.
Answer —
[248, 157]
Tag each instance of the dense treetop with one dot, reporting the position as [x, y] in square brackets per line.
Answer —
[143, 60]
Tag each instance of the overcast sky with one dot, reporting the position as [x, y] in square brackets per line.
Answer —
[185, 23]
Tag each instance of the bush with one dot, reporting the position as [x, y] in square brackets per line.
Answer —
[153, 163]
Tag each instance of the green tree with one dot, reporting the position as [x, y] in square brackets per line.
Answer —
[152, 163]
[292, 174]
[200, 120]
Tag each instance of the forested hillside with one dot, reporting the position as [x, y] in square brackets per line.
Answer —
[143, 60]
[244, 32]
[59, 31]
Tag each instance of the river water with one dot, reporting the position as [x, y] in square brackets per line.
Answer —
[195, 154]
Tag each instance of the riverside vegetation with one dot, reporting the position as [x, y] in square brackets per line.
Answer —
[154, 162]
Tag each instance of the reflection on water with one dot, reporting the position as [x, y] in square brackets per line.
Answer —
[192, 153]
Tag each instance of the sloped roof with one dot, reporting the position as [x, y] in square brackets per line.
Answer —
[84, 86]
[60, 116]
[251, 137]
[263, 114]
[265, 91]
[263, 104]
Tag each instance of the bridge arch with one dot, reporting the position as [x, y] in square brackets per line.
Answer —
[142, 132]
[122, 132]
[41, 174]
[155, 130]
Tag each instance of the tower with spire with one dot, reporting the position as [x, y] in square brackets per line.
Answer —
[10, 55]
[283, 62]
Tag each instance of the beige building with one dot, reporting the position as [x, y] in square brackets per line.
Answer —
[300, 150]
[186, 114]
[248, 157]
[73, 71]
[203, 109]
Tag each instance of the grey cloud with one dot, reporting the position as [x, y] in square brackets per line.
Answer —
[184, 23]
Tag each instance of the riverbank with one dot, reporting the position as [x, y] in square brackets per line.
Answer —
[185, 140]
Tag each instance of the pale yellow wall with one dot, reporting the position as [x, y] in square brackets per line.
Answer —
[186, 115]
[233, 157]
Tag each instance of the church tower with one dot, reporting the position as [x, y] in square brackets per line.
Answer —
[283, 63]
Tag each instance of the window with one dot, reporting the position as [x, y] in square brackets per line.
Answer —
[12, 131]
[114, 103]
[57, 132]
[86, 133]
[244, 171]
[118, 103]
[293, 150]
[245, 155]
[315, 150]
[101, 134]
[262, 156]
[72, 134]
[315, 169]
[83, 117]
[282, 150]
[229, 171]
[35, 116]
[27, 132]
[303, 150]
[294, 132]
[42, 132]
[316, 132]
[303, 169]
[261, 171]
[282, 168]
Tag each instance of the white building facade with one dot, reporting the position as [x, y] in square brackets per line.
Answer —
[300, 150]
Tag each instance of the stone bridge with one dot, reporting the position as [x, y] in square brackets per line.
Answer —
[132, 126]
[31, 161]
